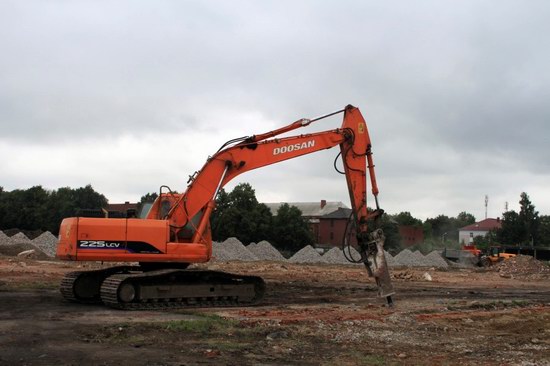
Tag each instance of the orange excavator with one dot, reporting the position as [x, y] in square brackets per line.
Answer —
[176, 231]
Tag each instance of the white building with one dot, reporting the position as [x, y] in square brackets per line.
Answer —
[466, 234]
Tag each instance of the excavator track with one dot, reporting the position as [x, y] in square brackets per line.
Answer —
[174, 289]
[84, 286]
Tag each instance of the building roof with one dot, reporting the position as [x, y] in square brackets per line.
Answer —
[309, 209]
[483, 225]
[340, 213]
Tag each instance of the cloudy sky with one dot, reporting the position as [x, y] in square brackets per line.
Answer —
[129, 95]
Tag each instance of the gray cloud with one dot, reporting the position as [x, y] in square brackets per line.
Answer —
[455, 94]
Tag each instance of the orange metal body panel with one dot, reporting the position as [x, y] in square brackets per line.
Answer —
[153, 232]
[66, 248]
[103, 239]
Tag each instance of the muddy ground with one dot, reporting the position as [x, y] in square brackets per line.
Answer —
[312, 315]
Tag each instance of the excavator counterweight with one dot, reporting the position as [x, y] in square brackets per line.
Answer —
[176, 231]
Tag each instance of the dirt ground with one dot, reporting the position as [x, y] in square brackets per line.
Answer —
[312, 315]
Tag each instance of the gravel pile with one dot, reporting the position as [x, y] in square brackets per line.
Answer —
[306, 255]
[46, 242]
[335, 256]
[416, 259]
[523, 266]
[436, 259]
[390, 260]
[405, 258]
[420, 259]
[232, 250]
[265, 251]
[4, 239]
[20, 237]
[14, 248]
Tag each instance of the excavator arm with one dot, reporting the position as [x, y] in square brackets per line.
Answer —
[262, 150]
[266, 149]
[177, 227]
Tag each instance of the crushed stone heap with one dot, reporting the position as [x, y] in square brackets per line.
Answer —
[19, 243]
[420, 259]
[265, 251]
[413, 259]
[436, 260]
[335, 256]
[14, 248]
[523, 266]
[46, 242]
[390, 260]
[232, 250]
[306, 255]
[4, 239]
[20, 238]
[405, 258]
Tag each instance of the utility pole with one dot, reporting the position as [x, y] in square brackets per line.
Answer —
[486, 203]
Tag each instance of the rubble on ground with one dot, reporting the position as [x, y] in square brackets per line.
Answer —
[307, 254]
[232, 250]
[523, 266]
[265, 251]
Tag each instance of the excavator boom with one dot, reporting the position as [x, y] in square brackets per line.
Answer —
[176, 231]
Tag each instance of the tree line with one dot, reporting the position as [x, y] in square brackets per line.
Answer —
[238, 213]
[39, 209]
[525, 228]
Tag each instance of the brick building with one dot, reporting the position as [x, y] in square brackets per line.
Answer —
[315, 214]
[332, 228]
[411, 235]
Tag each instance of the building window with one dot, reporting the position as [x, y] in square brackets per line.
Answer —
[331, 235]
[331, 222]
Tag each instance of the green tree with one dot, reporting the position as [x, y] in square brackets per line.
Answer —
[464, 219]
[443, 227]
[405, 218]
[529, 219]
[544, 231]
[485, 241]
[511, 230]
[521, 228]
[290, 230]
[390, 228]
[239, 214]
[36, 208]
[146, 198]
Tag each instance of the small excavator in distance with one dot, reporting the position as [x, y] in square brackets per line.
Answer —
[176, 231]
